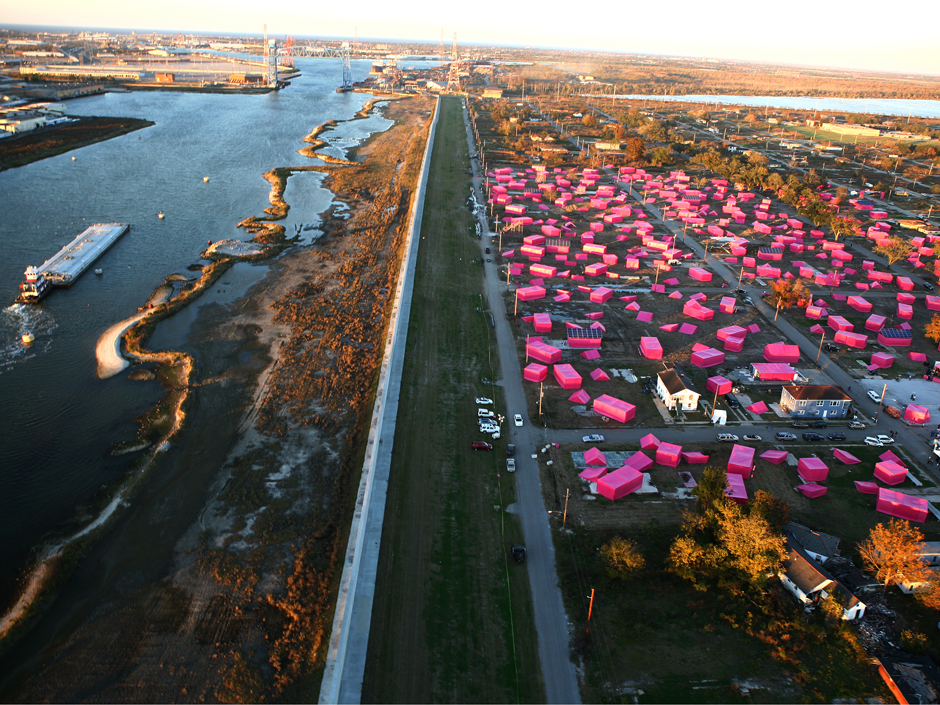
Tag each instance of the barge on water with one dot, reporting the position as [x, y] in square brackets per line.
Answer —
[69, 263]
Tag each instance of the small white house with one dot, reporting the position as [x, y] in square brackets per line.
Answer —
[675, 389]
[809, 583]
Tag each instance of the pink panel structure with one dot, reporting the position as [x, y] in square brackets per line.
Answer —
[905, 312]
[875, 323]
[644, 316]
[543, 323]
[543, 352]
[812, 490]
[649, 442]
[905, 284]
[773, 371]
[651, 348]
[593, 474]
[741, 461]
[866, 487]
[595, 270]
[932, 302]
[734, 344]
[774, 456]
[639, 461]
[590, 355]
[566, 376]
[781, 352]
[812, 470]
[852, 340]
[669, 454]
[697, 311]
[707, 358]
[718, 384]
[530, 293]
[593, 456]
[686, 328]
[580, 397]
[844, 456]
[839, 323]
[599, 375]
[727, 305]
[730, 332]
[890, 472]
[906, 298]
[736, 490]
[917, 356]
[695, 458]
[815, 312]
[882, 360]
[614, 408]
[619, 483]
[757, 408]
[601, 295]
[859, 304]
[699, 274]
[895, 337]
[535, 372]
[916, 414]
[900, 505]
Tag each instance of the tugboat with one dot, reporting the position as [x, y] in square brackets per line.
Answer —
[34, 287]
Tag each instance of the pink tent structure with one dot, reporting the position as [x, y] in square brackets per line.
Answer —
[542, 352]
[619, 483]
[543, 323]
[614, 408]
[599, 375]
[741, 461]
[535, 372]
[639, 461]
[889, 456]
[902, 506]
[593, 456]
[812, 490]
[695, 458]
[590, 355]
[758, 408]
[707, 358]
[736, 490]
[580, 397]
[530, 293]
[774, 456]
[866, 487]
[566, 376]
[882, 360]
[852, 340]
[649, 442]
[812, 470]
[916, 414]
[731, 332]
[592, 474]
[669, 454]
[688, 328]
[781, 352]
[845, 456]
[718, 384]
[773, 371]
[890, 473]
[651, 348]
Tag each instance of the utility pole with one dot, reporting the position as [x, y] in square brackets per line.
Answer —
[819, 352]
[590, 609]
[564, 518]
[778, 311]
[880, 402]
[541, 394]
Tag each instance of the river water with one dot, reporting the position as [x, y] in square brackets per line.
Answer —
[59, 421]
[869, 106]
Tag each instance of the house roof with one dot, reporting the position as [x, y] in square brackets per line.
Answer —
[675, 381]
[814, 541]
[805, 573]
[817, 392]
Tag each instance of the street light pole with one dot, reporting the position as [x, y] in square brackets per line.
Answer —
[778, 311]
[819, 352]
[880, 402]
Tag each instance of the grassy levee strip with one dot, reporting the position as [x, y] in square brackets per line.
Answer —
[452, 619]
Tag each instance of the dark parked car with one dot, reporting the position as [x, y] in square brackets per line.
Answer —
[799, 424]
[518, 553]
[510, 450]
[836, 436]
[928, 287]
[818, 424]
[829, 347]
[732, 402]
[810, 436]
[482, 445]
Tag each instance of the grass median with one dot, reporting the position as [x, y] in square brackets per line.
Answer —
[452, 619]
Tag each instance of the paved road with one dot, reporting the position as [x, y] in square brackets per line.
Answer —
[551, 621]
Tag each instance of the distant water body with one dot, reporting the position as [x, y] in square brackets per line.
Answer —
[869, 106]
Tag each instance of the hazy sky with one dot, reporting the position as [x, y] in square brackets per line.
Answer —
[808, 32]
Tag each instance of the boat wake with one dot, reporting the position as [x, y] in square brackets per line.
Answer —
[15, 322]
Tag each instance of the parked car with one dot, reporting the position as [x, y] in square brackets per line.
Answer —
[893, 411]
[838, 436]
[518, 554]
[593, 438]
[727, 437]
[751, 437]
[872, 441]
[885, 440]
[510, 465]
[799, 424]
[732, 402]
[928, 287]
[484, 400]
[485, 412]
[487, 250]
[874, 396]
[810, 436]
[829, 347]
[818, 424]
[517, 419]
[482, 445]
[856, 424]
[785, 436]
[510, 450]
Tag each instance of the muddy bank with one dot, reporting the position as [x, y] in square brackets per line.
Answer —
[218, 585]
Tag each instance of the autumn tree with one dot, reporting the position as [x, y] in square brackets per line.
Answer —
[892, 553]
[894, 249]
[635, 150]
[932, 329]
[774, 510]
[621, 558]
[788, 292]
[710, 490]
[754, 548]
[589, 120]
[842, 225]
[660, 156]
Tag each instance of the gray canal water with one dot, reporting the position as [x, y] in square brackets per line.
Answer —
[58, 421]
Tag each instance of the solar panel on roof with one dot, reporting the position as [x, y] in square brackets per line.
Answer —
[896, 333]
[591, 333]
[772, 250]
